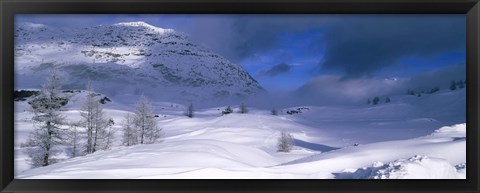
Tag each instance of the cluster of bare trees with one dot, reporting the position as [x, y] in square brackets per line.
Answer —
[141, 126]
[51, 129]
[99, 132]
[92, 133]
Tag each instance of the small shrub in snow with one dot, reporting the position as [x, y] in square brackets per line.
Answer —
[189, 112]
[376, 100]
[274, 112]
[453, 85]
[243, 108]
[227, 111]
[387, 100]
[285, 142]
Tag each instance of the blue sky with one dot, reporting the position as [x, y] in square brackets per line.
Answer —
[283, 52]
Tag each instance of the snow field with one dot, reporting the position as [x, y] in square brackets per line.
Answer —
[244, 146]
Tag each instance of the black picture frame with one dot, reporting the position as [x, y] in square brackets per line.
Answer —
[8, 9]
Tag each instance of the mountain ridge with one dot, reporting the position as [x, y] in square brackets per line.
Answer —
[141, 56]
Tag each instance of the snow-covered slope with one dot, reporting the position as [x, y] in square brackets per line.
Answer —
[132, 57]
[447, 143]
[237, 153]
[405, 117]
[394, 143]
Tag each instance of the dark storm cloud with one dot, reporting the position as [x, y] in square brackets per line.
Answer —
[361, 46]
[239, 37]
[356, 45]
[277, 69]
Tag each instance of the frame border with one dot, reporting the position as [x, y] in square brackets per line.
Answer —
[8, 8]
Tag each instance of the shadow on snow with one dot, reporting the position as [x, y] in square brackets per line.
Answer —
[314, 146]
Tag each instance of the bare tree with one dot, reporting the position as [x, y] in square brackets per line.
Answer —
[129, 132]
[145, 123]
[98, 126]
[73, 136]
[88, 117]
[47, 133]
[243, 108]
[189, 112]
[285, 142]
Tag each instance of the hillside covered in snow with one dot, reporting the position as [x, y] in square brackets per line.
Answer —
[388, 140]
[132, 57]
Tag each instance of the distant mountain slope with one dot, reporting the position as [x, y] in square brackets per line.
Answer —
[132, 57]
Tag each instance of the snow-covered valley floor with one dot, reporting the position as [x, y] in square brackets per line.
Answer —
[407, 138]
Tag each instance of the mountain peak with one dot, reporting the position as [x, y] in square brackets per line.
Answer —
[140, 56]
[142, 24]
[31, 25]
[135, 23]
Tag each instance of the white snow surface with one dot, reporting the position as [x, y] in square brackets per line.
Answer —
[417, 167]
[237, 146]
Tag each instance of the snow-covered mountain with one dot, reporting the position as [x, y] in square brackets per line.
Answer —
[132, 57]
